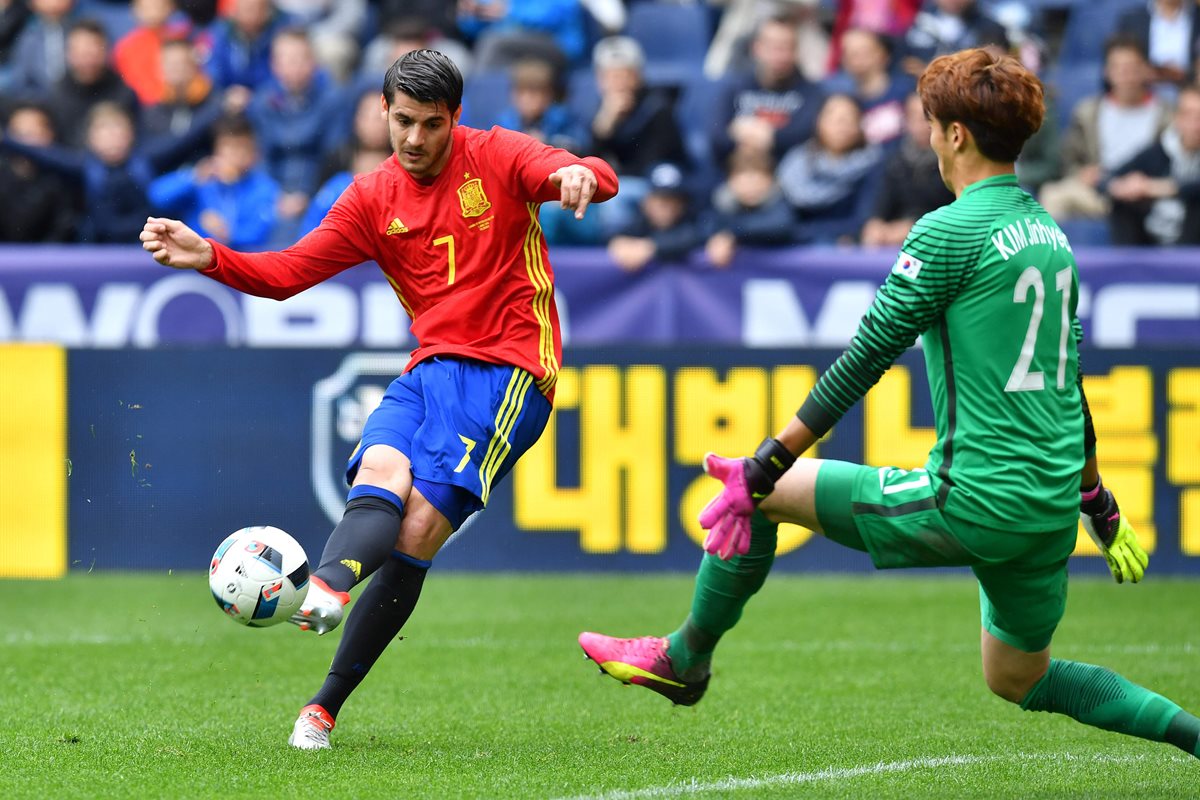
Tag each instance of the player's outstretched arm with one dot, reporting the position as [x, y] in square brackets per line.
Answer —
[173, 244]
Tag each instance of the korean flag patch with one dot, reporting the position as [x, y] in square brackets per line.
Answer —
[907, 266]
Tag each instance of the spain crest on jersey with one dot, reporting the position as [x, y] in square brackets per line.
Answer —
[472, 198]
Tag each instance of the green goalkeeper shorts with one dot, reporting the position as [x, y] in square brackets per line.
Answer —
[893, 514]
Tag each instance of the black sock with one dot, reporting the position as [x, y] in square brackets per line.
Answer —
[361, 541]
[377, 616]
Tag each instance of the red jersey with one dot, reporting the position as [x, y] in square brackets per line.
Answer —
[464, 252]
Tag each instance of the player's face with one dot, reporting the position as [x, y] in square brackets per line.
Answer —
[421, 133]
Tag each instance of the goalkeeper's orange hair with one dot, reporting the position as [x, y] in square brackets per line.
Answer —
[998, 100]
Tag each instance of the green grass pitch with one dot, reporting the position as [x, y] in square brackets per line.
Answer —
[136, 686]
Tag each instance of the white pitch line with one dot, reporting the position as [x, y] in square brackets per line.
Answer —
[837, 773]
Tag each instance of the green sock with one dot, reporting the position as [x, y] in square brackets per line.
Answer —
[1103, 699]
[722, 590]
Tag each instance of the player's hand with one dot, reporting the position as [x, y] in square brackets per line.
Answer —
[175, 245]
[747, 481]
[1113, 534]
[576, 184]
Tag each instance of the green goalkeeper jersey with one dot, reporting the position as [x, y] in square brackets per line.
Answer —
[990, 284]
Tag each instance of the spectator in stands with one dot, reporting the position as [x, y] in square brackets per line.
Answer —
[946, 26]
[1156, 195]
[1168, 33]
[334, 26]
[537, 109]
[292, 116]
[439, 17]
[402, 34]
[89, 80]
[137, 57]
[362, 160]
[829, 180]
[911, 185]
[39, 57]
[46, 211]
[1106, 131]
[228, 197]
[888, 18]
[190, 104]
[741, 20]
[664, 230]
[772, 107]
[505, 31]
[239, 46]
[634, 127]
[867, 77]
[368, 131]
[748, 209]
[114, 178]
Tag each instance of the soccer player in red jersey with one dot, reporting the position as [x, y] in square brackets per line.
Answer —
[452, 220]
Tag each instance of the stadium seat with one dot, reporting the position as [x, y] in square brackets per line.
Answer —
[1071, 84]
[117, 18]
[1089, 25]
[696, 119]
[675, 38]
[485, 96]
[1086, 232]
[583, 95]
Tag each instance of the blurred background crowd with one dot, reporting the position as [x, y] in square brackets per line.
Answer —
[741, 123]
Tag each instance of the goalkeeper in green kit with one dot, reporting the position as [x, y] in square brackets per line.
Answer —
[991, 285]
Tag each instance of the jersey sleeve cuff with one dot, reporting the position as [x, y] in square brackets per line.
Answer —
[814, 415]
[216, 257]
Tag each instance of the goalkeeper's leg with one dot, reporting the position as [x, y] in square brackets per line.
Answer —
[1092, 695]
[722, 590]
[724, 587]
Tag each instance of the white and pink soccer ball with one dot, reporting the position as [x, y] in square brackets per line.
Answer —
[259, 576]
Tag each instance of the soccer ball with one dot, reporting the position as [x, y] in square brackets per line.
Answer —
[259, 576]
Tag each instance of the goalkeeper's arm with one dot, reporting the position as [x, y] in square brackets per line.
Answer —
[1101, 516]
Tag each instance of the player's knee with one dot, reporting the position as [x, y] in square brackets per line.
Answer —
[423, 531]
[387, 468]
[1010, 684]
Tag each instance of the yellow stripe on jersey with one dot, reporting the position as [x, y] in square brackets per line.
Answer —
[543, 293]
[399, 294]
[506, 419]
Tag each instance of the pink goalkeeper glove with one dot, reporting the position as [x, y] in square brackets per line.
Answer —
[747, 481]
[727, 516]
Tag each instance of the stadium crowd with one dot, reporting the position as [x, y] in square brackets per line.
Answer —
[741, 123]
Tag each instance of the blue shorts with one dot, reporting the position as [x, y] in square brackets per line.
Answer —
[462, 424]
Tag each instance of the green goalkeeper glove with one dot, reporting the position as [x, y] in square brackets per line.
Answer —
[1113, 534]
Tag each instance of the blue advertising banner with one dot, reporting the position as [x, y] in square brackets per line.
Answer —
[116, 297]
[172, 450]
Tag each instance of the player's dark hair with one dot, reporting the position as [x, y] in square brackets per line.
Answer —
[427, 76]
[998, 100]
[233, 125]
